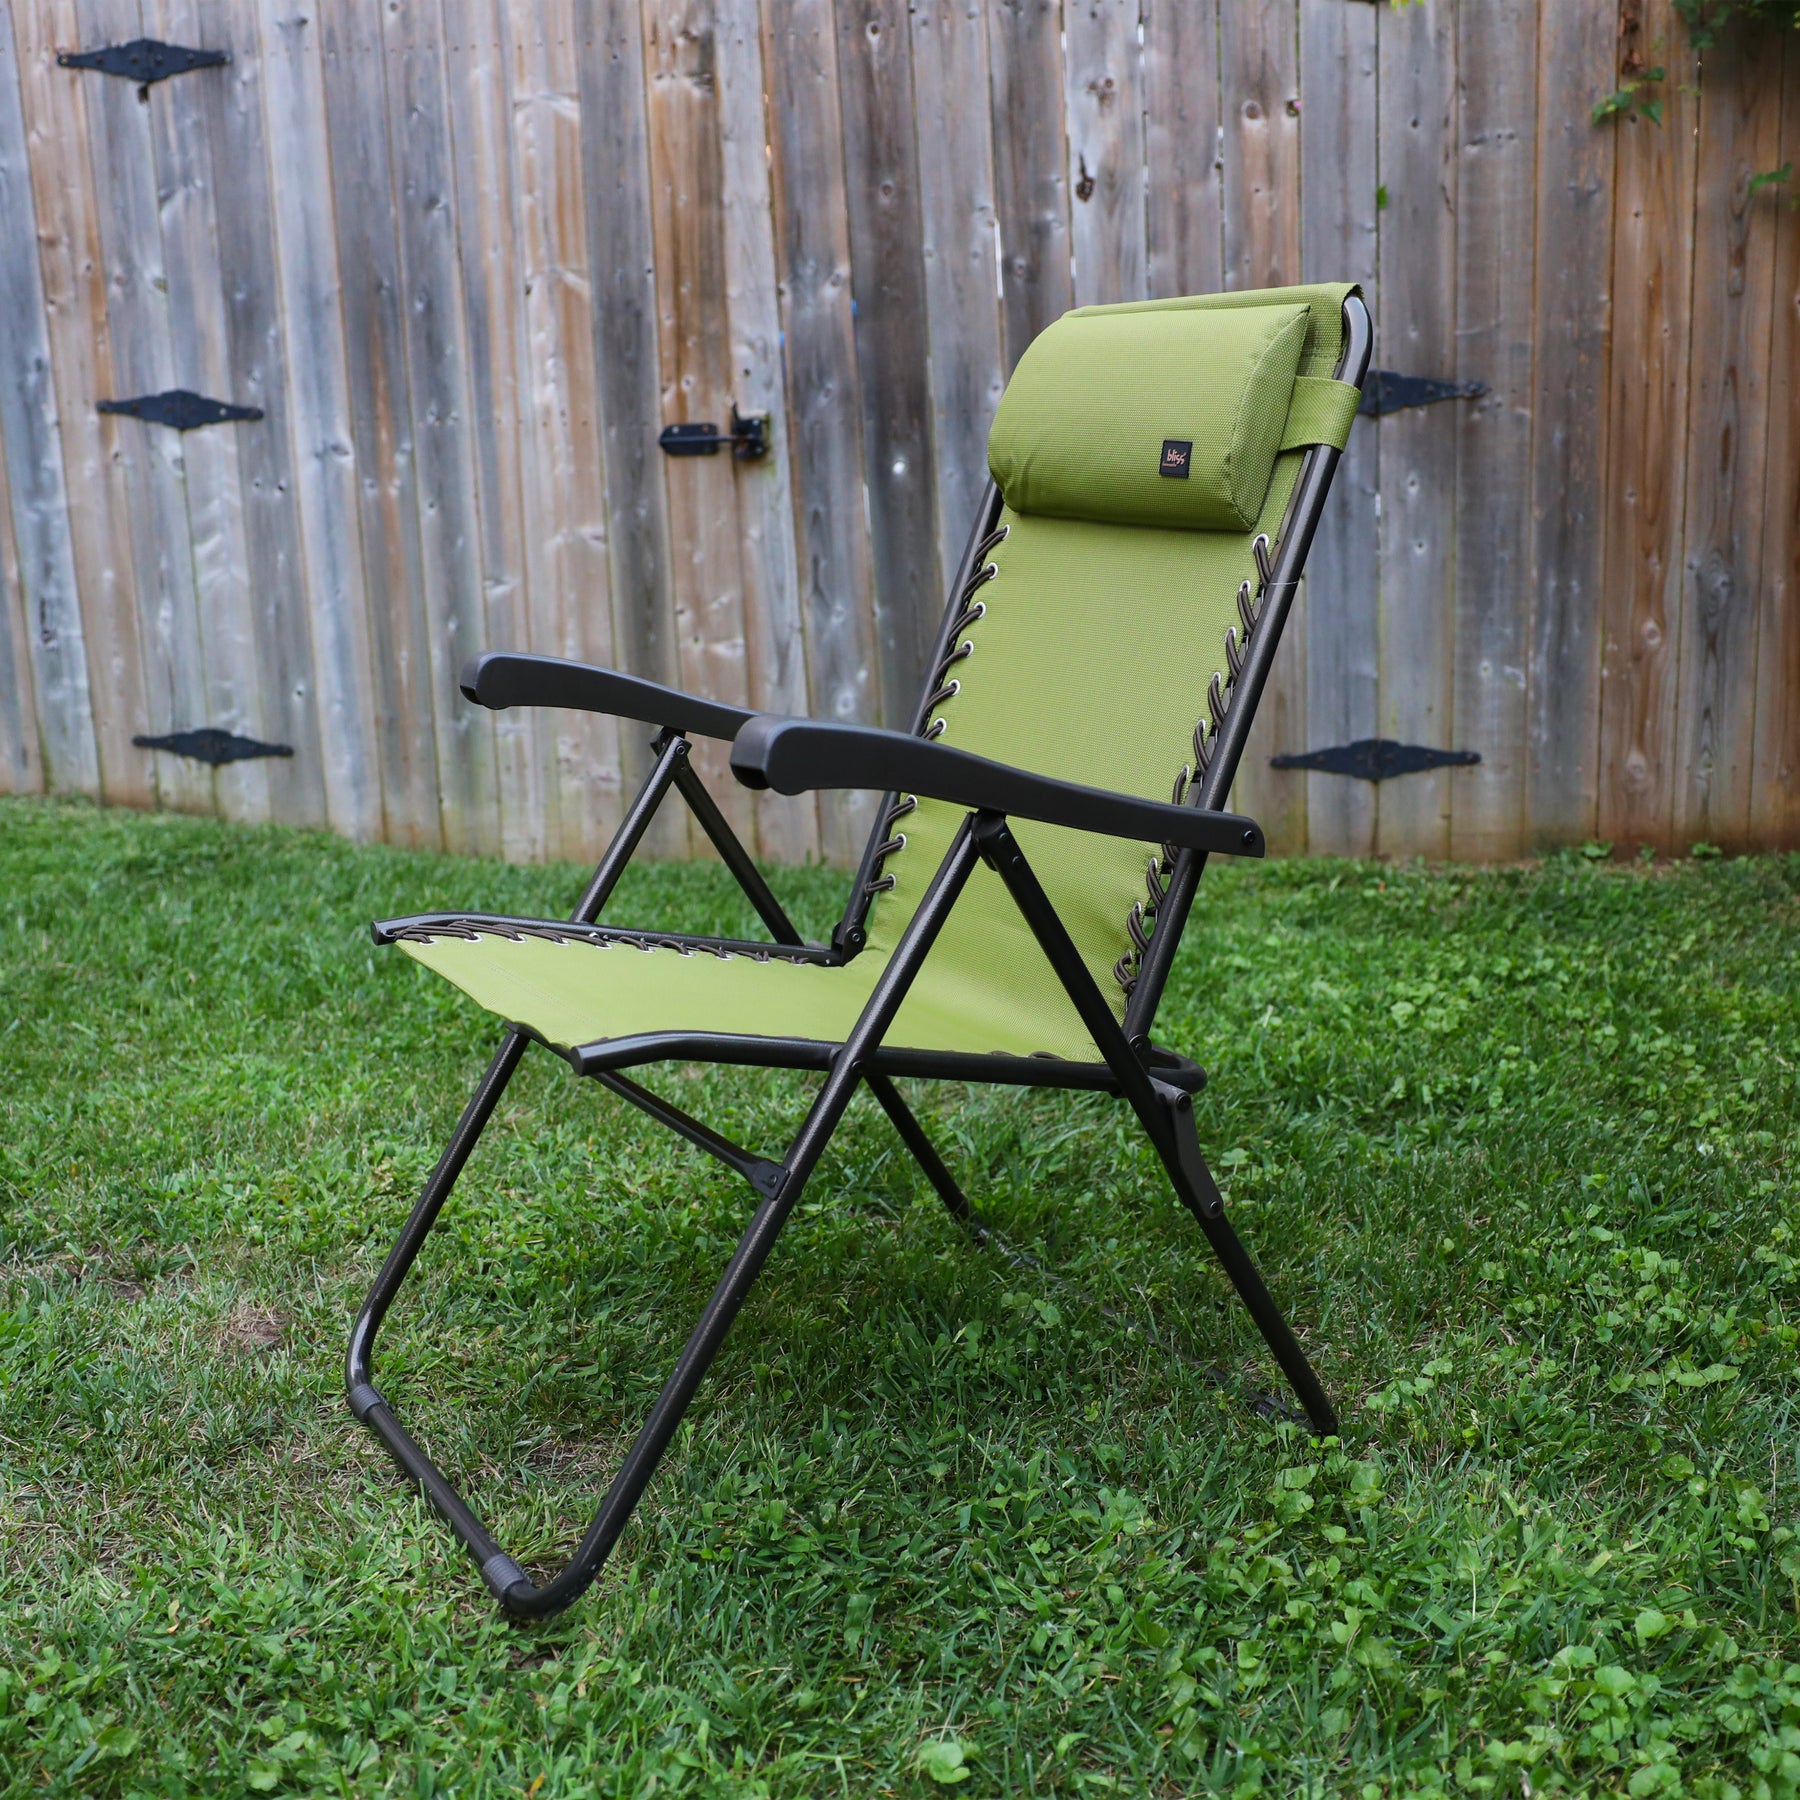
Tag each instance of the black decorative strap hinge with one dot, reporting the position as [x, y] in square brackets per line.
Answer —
[748, 438]
[1386, 392]
[144, 60]
[1376, 759]
[211, 745]
[181, 409]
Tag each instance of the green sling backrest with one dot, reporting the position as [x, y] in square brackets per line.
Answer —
[1140, 450]
[1090, 648]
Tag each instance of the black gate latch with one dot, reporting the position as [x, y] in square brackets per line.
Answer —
[143, 60]
[749, 437]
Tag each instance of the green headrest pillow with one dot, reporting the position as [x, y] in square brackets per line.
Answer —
[1150, 417]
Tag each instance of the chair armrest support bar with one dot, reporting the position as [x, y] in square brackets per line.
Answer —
[502, 679]
[795, 755]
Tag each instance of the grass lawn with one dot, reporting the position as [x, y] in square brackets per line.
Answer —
[1516, 1150]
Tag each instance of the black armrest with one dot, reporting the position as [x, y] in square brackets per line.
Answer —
[795, 755]
[501, 679]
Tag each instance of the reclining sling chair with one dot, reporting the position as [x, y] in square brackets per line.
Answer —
[1020, 900]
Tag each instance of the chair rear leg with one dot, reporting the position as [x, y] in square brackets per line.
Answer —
[924, 1152]
[1200, 1194]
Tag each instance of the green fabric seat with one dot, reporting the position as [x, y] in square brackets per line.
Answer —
[1089, 661]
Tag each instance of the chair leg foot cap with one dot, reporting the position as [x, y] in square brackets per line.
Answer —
[500, 1572]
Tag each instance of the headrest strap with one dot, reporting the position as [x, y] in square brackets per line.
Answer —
[1321, 412]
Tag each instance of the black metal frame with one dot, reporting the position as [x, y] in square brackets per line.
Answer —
[1157, 1085]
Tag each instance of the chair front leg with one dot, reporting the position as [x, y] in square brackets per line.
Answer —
[517, 1593]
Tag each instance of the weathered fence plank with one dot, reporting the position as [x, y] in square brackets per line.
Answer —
[1338, 242]
[1259, 108]
[893, 344]
[1728, 434]
[320, 422]
[1572, 301]
[1184, 164]
[1647, 406]
[438, 395]
[372, 298]
[1418, 444]
[1103, 78]
[1495, 202]
[139, 320]
[621, 250]
[787, 829]
[256, 374]
[1775, 778]
[21, 765]
[200, 361]
[1031, 168]
[824, 397]
[489, 258]
[951, 85]
[688, 219]
[568, 570]
[52, 592]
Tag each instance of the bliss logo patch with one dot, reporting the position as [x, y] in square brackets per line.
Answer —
[1175, 458]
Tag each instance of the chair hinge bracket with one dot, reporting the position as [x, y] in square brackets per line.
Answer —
[1178, 1106]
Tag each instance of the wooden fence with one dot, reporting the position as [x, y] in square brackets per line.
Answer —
[469, 256]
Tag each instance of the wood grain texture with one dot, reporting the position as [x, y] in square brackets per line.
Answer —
[1495, 204]
[21, 761]
[253, 350]
[319, 418]
[122, 145]
[1338, 242]
[824, 397]
[483, 196]
[1572, 307]
[688, 217]
[1183, 148]
[1418, 445]
[371, 290]
[787, 829]
[1727, 435]
[434, 301]
[1647, 408]
[1259, 109]
[1775, 775]
[568, 571]
[621, 251]
[470, 261]
[1103, 78]
[42, 523]
[892, 276]
[1031, 164]
[952, 84]
[199, 358]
